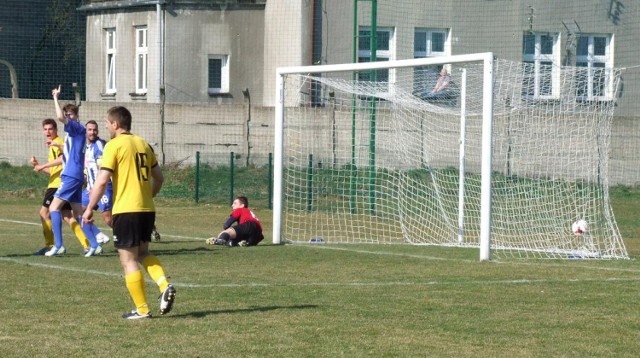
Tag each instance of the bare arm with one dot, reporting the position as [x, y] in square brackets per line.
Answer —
[157, 180]
[442, 83]
[45, 167]
[59, 114]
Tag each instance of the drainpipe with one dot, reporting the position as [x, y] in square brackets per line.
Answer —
[160, 25]
[161, 89]
[14, 78]
[247, 96]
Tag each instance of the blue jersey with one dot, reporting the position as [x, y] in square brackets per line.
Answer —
[73, 158]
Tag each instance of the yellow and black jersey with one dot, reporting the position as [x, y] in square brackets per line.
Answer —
[130, 159]
[54, 172]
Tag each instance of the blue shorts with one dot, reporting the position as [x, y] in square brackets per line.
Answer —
[48, 198]
[104, 204]
[70, 190]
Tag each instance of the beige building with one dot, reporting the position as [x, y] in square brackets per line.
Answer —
[221, 52]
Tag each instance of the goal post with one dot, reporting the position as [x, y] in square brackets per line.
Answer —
[487, 108]
[504, 160]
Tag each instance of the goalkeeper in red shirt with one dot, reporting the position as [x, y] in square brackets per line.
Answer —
[248, 232]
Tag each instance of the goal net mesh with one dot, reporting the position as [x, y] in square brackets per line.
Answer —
[375, 157]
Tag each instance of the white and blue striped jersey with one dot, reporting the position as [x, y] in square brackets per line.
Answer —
[92, 157]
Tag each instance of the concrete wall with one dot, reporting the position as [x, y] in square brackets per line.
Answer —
[187, 129]
[248, 131]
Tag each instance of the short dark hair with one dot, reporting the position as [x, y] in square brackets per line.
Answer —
[51, 122]
[91, 121]
[243, 200]
[121, 115]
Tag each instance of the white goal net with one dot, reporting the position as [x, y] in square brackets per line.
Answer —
[373, 156]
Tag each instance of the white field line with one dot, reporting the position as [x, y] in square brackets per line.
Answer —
[542, 263]
[324, 284]
[104, 229]
[352, 284]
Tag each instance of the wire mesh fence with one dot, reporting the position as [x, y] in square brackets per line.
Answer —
[199, 76]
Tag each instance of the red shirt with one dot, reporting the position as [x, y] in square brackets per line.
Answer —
[243, 215]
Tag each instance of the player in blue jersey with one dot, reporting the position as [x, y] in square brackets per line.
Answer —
[53, 168]
[72, 176]
[92, 158]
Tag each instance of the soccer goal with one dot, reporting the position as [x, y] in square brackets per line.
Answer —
[506, 160]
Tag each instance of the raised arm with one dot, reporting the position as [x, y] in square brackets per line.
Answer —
[59, 113]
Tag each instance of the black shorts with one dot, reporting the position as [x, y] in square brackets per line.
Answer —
[48, 198]
[249, 231]
[130, 229]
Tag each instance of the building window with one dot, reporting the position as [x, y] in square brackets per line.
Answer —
[218, 69]
[429, 43]
[110, 70]
[541, 55]
[384, 52]
[141, 59]
[595, 53]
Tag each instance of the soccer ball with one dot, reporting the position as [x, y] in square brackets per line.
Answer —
[580, 227]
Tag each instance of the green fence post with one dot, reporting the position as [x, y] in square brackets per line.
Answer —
[197, 177]
[231, 169]
[310, 184]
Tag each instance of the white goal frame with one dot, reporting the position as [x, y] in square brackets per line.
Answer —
[487, 60]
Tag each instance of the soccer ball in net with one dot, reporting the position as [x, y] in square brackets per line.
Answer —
[580, 227]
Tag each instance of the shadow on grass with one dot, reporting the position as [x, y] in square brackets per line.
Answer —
[201, 314]
[111, 251]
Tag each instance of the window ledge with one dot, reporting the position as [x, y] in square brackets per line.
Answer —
[138, 96]
[594, 99]
[108, 96]
[220, 95]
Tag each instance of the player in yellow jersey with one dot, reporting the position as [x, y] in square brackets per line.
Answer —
[131, 164]
[53, 167]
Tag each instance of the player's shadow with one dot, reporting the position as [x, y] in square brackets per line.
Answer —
[195, 250]
[208, 249]
[201, 314]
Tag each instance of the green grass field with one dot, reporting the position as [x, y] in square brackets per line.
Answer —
[312, 300]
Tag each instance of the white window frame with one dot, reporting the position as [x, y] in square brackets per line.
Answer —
[381, 55]
[422, 76]
[110, 60]
[224, 74]
[142, 51]
[591, 59]
[429, 51]
[537, 58]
